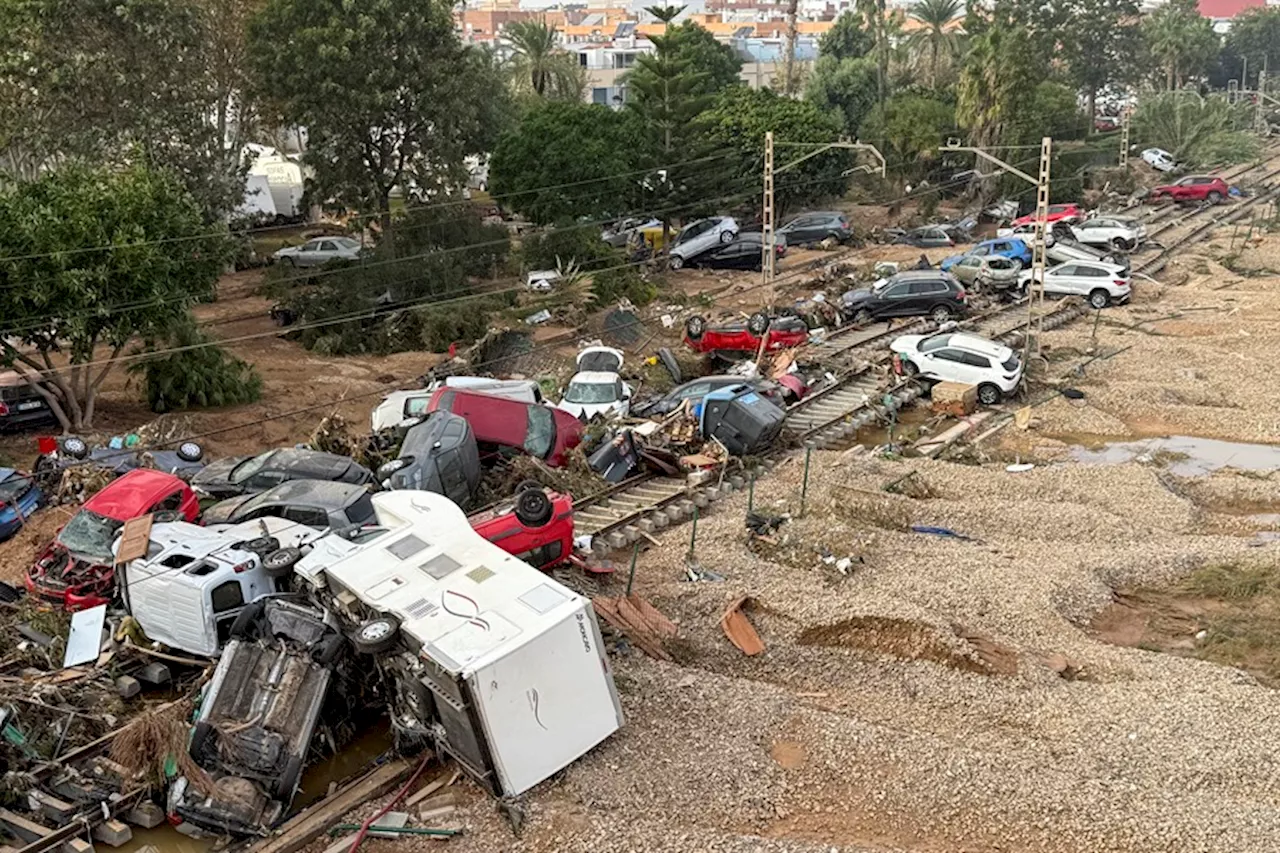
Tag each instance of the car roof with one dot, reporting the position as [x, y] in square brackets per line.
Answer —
[127, 496]
[976, 344]
[594, 377]
[325, 492]
[911, 275]
[1109, 267]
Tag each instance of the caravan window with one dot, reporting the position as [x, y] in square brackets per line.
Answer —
[227, 596]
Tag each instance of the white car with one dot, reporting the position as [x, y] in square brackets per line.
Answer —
[1100, 282]
[542, 281]
[596, 390]
[321, 250]
[1160, 159]
[1117, 234]
[1026, 231]
[701, 236]
[951, 357]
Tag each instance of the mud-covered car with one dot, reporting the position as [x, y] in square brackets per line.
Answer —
[242, 475]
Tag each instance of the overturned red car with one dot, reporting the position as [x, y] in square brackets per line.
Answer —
[76, 570]
[537, 526]
[779, 333]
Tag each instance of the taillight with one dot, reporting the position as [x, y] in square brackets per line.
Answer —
[242, 567]
[1121, 283]
[4, 409]
[961, 296]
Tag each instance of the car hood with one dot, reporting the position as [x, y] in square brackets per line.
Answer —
[948, 263]
[853, 297]
[223, 511]
[906, 343]
[217, 475]
[287, 250]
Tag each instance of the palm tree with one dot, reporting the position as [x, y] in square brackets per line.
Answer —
[539, 65]
[936, 35]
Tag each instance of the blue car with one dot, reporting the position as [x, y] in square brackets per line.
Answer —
[19, 497]
[1009, 247]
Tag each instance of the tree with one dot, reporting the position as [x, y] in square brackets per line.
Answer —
[847, 39]
[913, 127]
[539, 65]
[1047, 109]
[1180, 40]
[846, 86]
[876, 16]
[737, 124]
[591, 175]
[390, 97]
[995, 79]
[693, 43]
[89, 260]
[1255, 36]
[937, 37]
[196, 373]
[1200, 131]
[1098, 42]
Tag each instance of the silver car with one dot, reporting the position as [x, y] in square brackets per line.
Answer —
[701, 236]
[319, 251]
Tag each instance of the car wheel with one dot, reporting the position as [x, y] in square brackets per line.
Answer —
[75, 447]
[862, 317]
[262, 546]
[1120, 244]
[694, 327]
[1099, 299]
[525, 485]
[376, 635]
[675, 262]
[940, 314]
[909, 368]
[279, 564]
[988, 394]
[758, 323]
[189, 451]
[533, 508]
[245, 627]
[1214, 197]
[727, 237]
[289, 261]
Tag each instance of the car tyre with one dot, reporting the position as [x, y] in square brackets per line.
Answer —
[909, 368]
[988, 394]
[376, 635]
[245, 627]
[694, 327]
[262, 545]
[758, 323]
[727, 237]
[1214, 197]
[675, 262]
[1099, 299]
[189, 451]
[74, 447]
[287, 784]
[279, 564]
[1120, 244]
[533, 508]
[940, 314]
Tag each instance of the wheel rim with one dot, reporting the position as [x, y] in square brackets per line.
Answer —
[989, 396]
[1098, 301]
[375, 631]
[676, 262]
[941, 315]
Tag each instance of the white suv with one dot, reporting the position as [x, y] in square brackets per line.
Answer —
[701, 236]
[1118, 234]
[968, 359]
[1098, 281]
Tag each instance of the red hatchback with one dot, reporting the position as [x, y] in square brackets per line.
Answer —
[537, 430]
[782, 333]
[76, 570]
[537, 526]
[1194, 188]
[1057, 213]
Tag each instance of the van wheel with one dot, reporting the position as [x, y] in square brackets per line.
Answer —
[1099, 299]
[694, 327]
[287, 784]
[758, 323]
[988, 394]
[262, 545]
[533, 508]
[376, 635]
[279, 564]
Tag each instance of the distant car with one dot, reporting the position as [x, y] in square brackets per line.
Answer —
[1056, 213]
[744, 253]
[816, 227]
[185, 462]
[1009, 247]
[1114, 233]
[536, 526]
[1158, 158]
[497, 422]
[1102, 124]
[438, 455]
[542, 281]
[77, 569]
[991, 367]
[926, 237]
[623, 232]
[19, 498]
[781, 393]
[1027, 232]
[992, 272]
[780, 333]
[597, 390]
[21, 405]
[1101, 283]
[701, 236]
[1193, 188]
[239, 475]
[321, 250]
[316, 503]
[915, 293]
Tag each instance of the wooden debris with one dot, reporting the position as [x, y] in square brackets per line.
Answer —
[640, 621]
[738, 628]
[954, 398]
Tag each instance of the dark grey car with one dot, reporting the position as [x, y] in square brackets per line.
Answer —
[241, 475]
[816, 227]
[438, 455]
[315, 503]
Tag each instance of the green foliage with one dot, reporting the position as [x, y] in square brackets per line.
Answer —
[567, 245]
[913, 127]
[619, 283]
[996, 80]
[200, 376]
[848, 39]
[1255, 35]
[1099, 42]
[845, 86]
[1180, 40]
[738, 124]
[715, 63]
[1200, 131]
[937, 39]
[534, 155]
[92, 258]
[389, 95]
[539, 66]
[1049, 109]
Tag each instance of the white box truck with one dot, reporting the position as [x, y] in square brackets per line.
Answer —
[492, 661]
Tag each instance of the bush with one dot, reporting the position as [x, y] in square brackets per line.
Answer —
[613, 285]
[568, 244]
[204, 376]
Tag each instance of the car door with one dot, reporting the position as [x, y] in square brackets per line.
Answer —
[308, 254]
[226, 601]
[893, 301]
[1184, 189]
[935, 238]
[967, 269]
[1062, 281]
[945, 365]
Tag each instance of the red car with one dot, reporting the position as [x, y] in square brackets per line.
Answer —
[782, 333]
[1194, 188]
[537, 526]
[1057, 212]
[537, 430]
[76, 569]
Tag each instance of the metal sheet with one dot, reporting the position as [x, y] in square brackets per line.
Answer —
[85, 639]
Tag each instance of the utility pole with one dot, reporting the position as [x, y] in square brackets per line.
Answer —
[1124, 138]
[766, 218]
[1259, 115]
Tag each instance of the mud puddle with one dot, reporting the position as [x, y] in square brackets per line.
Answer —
[910, 640]
[1184, 455]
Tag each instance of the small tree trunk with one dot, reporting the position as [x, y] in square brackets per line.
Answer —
[789, 74]
[384, 222]
[1091, 106]
[1168, 76]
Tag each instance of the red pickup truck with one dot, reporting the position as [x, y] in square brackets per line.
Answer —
[1193, 188]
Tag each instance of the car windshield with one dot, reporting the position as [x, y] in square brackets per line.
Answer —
[935, 342]
[13, 488]
[249, 467]
[591, 392]
[89, 534]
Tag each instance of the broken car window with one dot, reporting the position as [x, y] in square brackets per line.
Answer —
[540, 434]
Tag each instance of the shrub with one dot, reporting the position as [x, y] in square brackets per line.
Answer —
[203, 376]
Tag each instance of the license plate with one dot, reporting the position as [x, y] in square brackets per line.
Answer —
[30, 404]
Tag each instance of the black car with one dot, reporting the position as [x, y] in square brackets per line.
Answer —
[438, 455]
[21, 405]
[916, 293]
[240, 475]
[695, 389]
[816, 227]
[315, 503]
[744, 253]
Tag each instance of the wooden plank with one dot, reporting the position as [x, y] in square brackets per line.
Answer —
[310, 823]
[27, 830]
[135, 536]
[738, 628]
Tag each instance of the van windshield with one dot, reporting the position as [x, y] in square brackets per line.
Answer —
[89, 535]
[591, 392]
[540, 435]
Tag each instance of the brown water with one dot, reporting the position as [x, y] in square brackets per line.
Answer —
[1184, 455]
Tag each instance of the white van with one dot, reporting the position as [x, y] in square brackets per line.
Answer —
[194, 581]
[403, 408]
